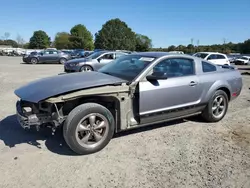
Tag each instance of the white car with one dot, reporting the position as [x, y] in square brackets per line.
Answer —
[214, 57]
[244, 60]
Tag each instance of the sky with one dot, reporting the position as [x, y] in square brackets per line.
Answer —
[165, 22]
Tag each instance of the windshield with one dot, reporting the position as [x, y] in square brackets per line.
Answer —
[127, 67]
[95, 55]
[244, 58]
[201, 55]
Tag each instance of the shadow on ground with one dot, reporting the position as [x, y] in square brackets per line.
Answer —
[12, 134]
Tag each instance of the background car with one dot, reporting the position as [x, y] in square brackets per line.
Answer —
[244, 60]
[47, 56]
[92, 62]
[214, 57]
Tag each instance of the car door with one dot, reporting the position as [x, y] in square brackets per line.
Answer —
[52, 56]
[222, 60]
[181, 90]
[105, 59]
[212, 58]
[44, 56]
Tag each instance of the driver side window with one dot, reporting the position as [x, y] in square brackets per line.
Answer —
[108, 56]
[175, 67]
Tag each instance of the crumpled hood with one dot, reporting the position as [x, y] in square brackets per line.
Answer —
[48, 87]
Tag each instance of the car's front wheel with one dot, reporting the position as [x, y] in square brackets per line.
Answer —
[62, 60]
[88, 128]
[34, 60]
[217, 107]
[86, 68]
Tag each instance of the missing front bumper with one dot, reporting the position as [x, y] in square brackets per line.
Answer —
[29, 120]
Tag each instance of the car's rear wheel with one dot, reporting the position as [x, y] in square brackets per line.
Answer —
[62, 60]
[88, 128]
[86, 68]
[217, 107]
[34, 60]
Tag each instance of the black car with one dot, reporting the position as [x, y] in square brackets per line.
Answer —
[47, 56]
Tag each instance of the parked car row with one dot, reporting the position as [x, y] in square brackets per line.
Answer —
[244, 60]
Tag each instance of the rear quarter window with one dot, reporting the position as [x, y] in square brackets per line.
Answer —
[207, 67]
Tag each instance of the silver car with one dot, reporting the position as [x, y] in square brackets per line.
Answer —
[132, 91]
[47, 56]
[92, 62]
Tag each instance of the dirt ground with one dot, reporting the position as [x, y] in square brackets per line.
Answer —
[186, 153]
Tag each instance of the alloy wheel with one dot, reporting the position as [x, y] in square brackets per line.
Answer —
[92, 130]
[219, 106]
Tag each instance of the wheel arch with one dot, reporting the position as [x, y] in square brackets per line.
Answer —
[219, 85]
[112, 103]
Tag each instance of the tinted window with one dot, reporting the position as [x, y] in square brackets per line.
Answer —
[220, 57]
[207, 67]
[175, 67]
[117, 55]
[213, 56]
[33, 53]
[201, 55]
[108, 56]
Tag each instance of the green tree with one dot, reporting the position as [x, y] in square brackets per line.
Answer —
[9, 42]
[39, 40]
[143, 43]
[81, 38]
[115, 35]
[62, 40]
[26, 45]
[245, 47]
[171, 48]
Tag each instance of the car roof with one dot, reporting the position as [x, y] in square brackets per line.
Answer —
[161, 54]
[212, 53]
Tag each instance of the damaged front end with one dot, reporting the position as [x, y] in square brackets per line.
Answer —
[35, 115]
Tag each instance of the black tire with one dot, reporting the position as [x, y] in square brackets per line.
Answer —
[75, 118]
[34, 60]
[62, 60]
[208, 114]
[86, 68]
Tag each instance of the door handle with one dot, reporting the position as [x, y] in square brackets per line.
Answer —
[193, 83]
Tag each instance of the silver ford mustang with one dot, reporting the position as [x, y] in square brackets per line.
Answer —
[132, 91]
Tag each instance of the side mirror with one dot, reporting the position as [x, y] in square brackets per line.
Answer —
[154, 77]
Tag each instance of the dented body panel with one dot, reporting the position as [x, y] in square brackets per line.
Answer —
[135, 103]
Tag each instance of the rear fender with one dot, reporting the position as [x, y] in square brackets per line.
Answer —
[217, 85]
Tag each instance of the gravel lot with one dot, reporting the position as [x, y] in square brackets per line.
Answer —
[185, 153]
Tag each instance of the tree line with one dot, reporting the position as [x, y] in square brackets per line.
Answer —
[114, 34]
[227, 48]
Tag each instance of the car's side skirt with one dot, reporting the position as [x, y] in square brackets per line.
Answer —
[171, 114]
[161, 121]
